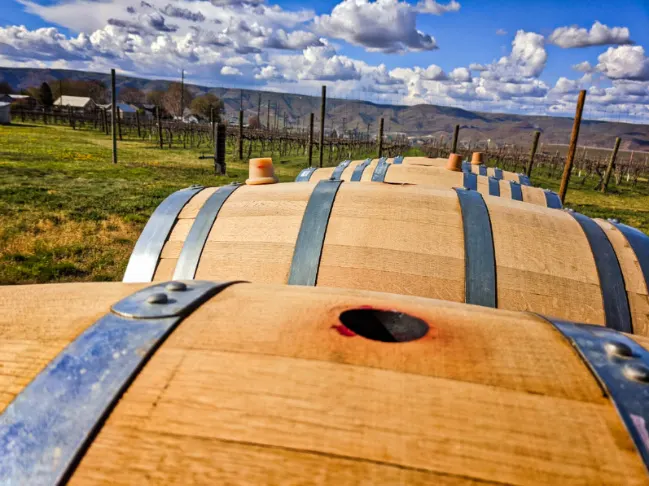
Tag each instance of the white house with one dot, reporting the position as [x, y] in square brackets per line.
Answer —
[5, 113]
[76, 102]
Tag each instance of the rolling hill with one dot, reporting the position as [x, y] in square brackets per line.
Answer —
[415, 121]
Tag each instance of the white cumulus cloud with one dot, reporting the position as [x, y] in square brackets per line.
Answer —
[624, 62]
[384, 26]
[598, 35]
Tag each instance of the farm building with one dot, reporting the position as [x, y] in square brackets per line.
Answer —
[5, 113]
[79, 103]
[24, 100]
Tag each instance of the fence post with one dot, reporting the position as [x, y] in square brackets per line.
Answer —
[310, 148]
[611, 165]
[379, 140]
[268, 116]
[44, 116]
[119, 123]
[157, 111]
[137, 121]
[456, 135]
[323, 103]
[240, 152]
[219, 148]
[530, 162]
[565, 178]
[113, 107]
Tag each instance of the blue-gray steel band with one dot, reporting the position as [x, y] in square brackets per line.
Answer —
[470, 181]
[200, 230]
[310, 239]
[498, 174]
[479, 253]
[47, 428]
[552, 200]
[398, 160]
[494, 186]
[517, 192]
[359, 169]
[483, 170]
[340, 168]
[524, 180]
[380, 170]
[621, 367]
[144, 259]
[466, 166]
[305, 174]
[639, 244]
[611, 281]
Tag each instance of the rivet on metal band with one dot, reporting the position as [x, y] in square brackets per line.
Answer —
[380, 170]
[200, 230]
[305, 174]
[517, 192]
[639, 243]
[611, 281]
[483, 170]
[552, 200]
[479, 253]
[144, 259]
[359, 169]
[498, 174]
[494, 186]
[47, 428]
[397, 160]
[310, 239]
[470, 181]
[621, 366]
[340, 168]
[524, 180]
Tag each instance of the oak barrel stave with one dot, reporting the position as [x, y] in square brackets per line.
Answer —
[260, 385]
[410, 240]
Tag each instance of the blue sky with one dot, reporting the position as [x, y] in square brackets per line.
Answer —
[494, 55]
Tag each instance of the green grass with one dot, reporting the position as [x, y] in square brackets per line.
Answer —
[68, 214]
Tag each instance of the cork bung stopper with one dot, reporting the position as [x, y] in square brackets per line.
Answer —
[261, 171]
[476, 159]
[454, 163]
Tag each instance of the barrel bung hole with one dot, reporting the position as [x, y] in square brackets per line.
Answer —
[387, 326]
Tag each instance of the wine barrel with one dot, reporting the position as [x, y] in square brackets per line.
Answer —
[468, 167]
[454, 245]
[237, 383]
[383, 171]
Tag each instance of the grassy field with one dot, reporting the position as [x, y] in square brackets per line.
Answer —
[68, 214]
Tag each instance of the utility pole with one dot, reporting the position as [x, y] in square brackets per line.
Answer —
[259, 109]
[113, 107]
[323, 103]
[268, 117]
[572, 149]
[182, 95]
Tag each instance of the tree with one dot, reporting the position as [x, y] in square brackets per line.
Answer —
[45, 95]
[5, 88]
[131, 95]
[155, 97]
[253, 122]
[204, 104]
[172, 98]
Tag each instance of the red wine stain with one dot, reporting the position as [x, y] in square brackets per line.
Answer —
[344, 330]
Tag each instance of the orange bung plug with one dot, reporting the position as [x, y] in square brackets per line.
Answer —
[261, 171]
[454, 163]
[476, 159]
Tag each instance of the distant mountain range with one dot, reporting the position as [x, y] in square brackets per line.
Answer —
[415, 121]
